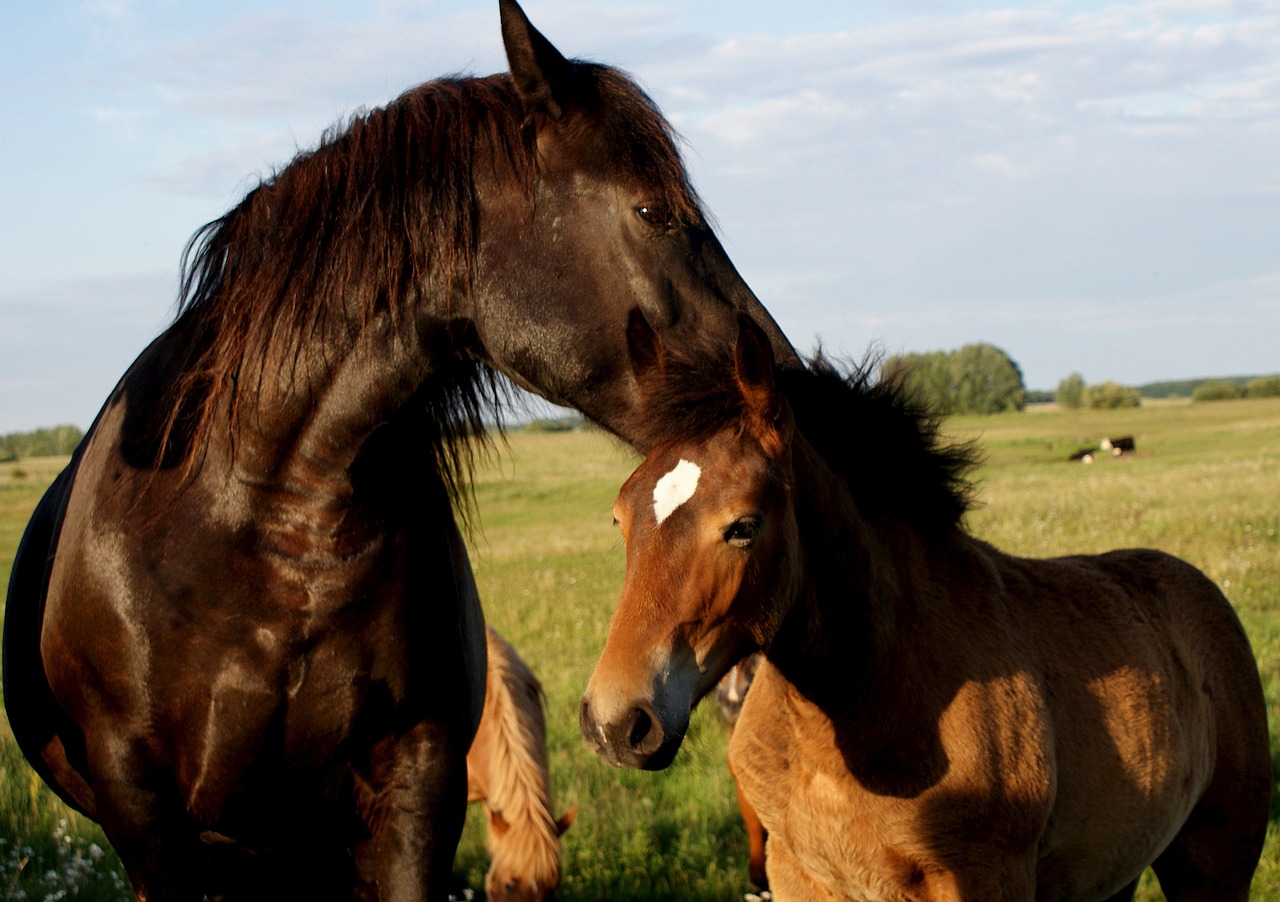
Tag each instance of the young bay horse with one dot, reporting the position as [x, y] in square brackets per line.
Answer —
[507, 770]
[935, 719]
[242, 632]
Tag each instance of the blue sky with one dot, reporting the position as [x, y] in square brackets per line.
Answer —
[1092, 187]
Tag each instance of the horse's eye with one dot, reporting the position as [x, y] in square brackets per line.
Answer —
[656, 215]
[743, 532]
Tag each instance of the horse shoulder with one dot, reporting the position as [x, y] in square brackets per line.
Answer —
[760, 747]
[831, 836]
[972, 675]
[791, 777]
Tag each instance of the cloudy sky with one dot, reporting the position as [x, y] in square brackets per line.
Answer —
[1092, 187]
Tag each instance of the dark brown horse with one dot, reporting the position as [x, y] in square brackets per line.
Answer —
[242, 632]
[936, 720]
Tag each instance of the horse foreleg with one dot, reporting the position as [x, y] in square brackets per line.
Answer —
[149, 831]
[416, 806]
[756, 836]
[756, 839]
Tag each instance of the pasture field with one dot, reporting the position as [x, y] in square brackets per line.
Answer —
[1203, 485]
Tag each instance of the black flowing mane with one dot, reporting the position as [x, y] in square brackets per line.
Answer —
[883, 443]
[381, 213]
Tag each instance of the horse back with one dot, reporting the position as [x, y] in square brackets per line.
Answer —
[1150, 609]
[1158, 709]
[44, 732]
[1206, 637]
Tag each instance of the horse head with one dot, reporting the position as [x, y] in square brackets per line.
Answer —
[712, 550]
[613, 226]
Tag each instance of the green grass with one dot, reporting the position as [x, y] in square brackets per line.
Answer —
[549, 565]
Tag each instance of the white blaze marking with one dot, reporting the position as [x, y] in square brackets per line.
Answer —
[675, 488]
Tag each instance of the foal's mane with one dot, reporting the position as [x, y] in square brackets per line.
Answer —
[383, 211]
[881, 441]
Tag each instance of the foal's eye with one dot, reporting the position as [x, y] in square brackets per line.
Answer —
[656, 215]
[743, 532]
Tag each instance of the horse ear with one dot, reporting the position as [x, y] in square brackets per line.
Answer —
[754, 371]
[753, 364]
[566, 820]
[539, 70]
[647, 354]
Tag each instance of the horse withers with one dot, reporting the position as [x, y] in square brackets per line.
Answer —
[935, 719]
[242, 631]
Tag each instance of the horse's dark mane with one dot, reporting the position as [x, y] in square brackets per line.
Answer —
[884, 444]
[383, 211]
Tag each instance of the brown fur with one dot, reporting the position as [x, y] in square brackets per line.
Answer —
[731, 694]
[401, 202]
[242, 631]
[936, 719]
[507, 770]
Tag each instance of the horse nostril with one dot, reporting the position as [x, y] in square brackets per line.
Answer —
[645, 735]
[640, 726]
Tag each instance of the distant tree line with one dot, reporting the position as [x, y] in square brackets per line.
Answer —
[1227, 389]
[1251, 387]
[55, 441]
[1073, 393]
[1070, 393]
[1111, 396]
[977, 378]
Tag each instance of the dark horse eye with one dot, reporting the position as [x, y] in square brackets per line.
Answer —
[743, 532]
[656, 215]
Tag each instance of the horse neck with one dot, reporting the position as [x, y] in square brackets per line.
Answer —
[864, 593]
[305, 422]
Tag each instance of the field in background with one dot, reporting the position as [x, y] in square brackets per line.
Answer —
[1203, 485]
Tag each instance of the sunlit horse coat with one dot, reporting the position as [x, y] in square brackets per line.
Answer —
[242, 632]
[936, 720]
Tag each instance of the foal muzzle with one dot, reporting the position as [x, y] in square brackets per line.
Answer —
[636, 737]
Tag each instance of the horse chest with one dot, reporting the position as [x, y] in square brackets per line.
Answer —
[820, 826]
[233, 678]
[847, 838]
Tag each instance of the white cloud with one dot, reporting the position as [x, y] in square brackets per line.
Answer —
[1042, 175]
[988, 157]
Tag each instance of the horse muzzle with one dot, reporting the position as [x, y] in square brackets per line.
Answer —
[636, 736]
